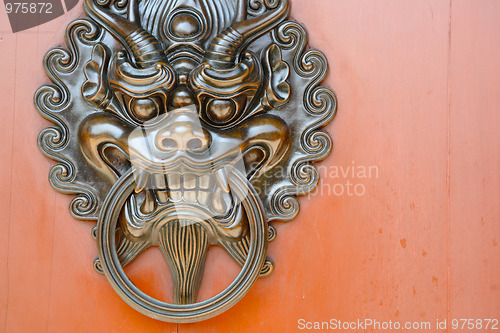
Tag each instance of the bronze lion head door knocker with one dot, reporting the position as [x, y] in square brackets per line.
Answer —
[185, 124]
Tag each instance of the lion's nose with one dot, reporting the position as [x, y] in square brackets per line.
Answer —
[184, 136]
[181, 97]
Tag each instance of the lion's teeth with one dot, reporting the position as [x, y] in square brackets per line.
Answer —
[189, 181]
[174, 181]
[149, 204]
[203, 197]
[187, 187]
[159, 181]
[190, 196]
[162, 196]
[221, 201]
[221, 177]
[141, 181]
[217, 202]
[204, 182]
[176, 195]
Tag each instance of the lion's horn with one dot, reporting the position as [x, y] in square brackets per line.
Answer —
[222, 51]
[144, 47]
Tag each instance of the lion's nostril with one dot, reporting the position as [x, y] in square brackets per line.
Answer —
[195, 144]
[181, 131]
[168, 144]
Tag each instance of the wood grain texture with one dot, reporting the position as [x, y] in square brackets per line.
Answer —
[380, 253]
[6, 151]
[418, 84]
[475, 160]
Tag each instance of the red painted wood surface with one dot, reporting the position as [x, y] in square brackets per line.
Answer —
[418, 84]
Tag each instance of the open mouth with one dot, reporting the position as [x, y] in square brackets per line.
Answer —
[202, 196]
[209, 189]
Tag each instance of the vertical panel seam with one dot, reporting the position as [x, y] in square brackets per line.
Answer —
[10, 193]
[448, 157]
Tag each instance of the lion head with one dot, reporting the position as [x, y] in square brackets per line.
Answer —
[184, 124]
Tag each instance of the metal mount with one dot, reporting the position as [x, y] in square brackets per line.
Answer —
[185, 124]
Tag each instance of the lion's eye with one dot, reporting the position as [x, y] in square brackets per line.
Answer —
[145, 108]
[221, 110]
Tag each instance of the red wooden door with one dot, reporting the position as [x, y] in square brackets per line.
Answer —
[414, 238]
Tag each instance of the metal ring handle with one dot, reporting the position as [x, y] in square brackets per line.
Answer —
[156, 309]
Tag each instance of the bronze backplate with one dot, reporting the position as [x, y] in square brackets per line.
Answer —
[185, 124]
